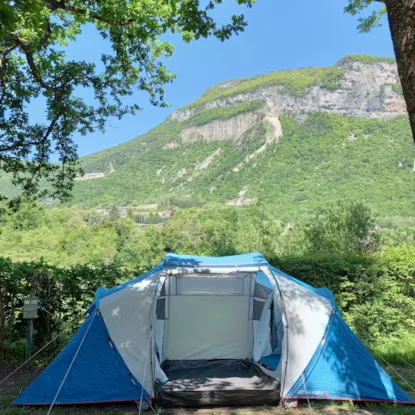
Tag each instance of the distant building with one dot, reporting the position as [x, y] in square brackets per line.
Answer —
[165, 214]
[123, 211]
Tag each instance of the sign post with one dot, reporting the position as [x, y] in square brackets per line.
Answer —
[30, 307]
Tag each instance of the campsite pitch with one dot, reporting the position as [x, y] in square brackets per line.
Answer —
[12, 388]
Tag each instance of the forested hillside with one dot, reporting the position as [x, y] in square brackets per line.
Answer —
[295, 139]
[323, 159]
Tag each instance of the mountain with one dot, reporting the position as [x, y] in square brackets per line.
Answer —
[296, 139]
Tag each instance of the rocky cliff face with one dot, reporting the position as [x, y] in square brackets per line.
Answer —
[365, 90]
[357, 86]
[230, 129]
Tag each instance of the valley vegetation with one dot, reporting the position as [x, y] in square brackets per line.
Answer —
[62, 255]
[322, 159]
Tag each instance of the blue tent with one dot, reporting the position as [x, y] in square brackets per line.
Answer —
[210, 331]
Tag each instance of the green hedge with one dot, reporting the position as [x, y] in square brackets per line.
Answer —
[64, 293]
[376, 294]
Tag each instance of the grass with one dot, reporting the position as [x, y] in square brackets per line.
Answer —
[223, 113]
[329, 408]
[367, 59]
[317, 407]
[398, 351]
[294, 82]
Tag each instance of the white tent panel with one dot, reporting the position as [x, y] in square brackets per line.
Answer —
[307, 317]
[128, 314]
[208, 327]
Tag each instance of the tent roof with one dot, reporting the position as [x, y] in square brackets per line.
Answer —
[193, 261]
[254, 258]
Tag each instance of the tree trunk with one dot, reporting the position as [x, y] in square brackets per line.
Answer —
[401, 15]
[2, 321]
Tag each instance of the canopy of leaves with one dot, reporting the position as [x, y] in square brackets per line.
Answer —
[35, 70]
[342, 228]
[370, 21]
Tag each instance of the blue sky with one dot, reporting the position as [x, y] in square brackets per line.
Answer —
[280, 35]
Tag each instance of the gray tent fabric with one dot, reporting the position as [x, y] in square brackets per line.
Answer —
[216, 383]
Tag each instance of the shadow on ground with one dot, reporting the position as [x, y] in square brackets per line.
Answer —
[10, 389]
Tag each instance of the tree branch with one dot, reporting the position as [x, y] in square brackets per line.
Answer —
[31, 63]
[7, 51]
[61, 5]
[41, 141]
[39, 166]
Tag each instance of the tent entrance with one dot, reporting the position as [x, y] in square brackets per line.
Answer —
[226, 382]
[209, 329]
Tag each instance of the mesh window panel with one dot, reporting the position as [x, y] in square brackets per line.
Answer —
[261, 291]
[161, 309]
[210, 285]
[163, 290]
[274, 335]
[258, 306]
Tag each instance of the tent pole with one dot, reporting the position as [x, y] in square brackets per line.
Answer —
[306, 392]
[70, 366]
[273, 280]
[151, 340]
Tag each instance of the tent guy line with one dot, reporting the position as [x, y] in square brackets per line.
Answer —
[30, 358]
[70, 366]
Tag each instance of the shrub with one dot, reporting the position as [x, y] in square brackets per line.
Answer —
[65, 295]
[377, 294]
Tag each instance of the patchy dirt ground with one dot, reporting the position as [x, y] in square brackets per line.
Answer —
[13, 386]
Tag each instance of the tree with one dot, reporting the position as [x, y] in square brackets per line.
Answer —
[34, 70]
[114, 213]
[401, 16]
[130, 213]
[342, 229]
